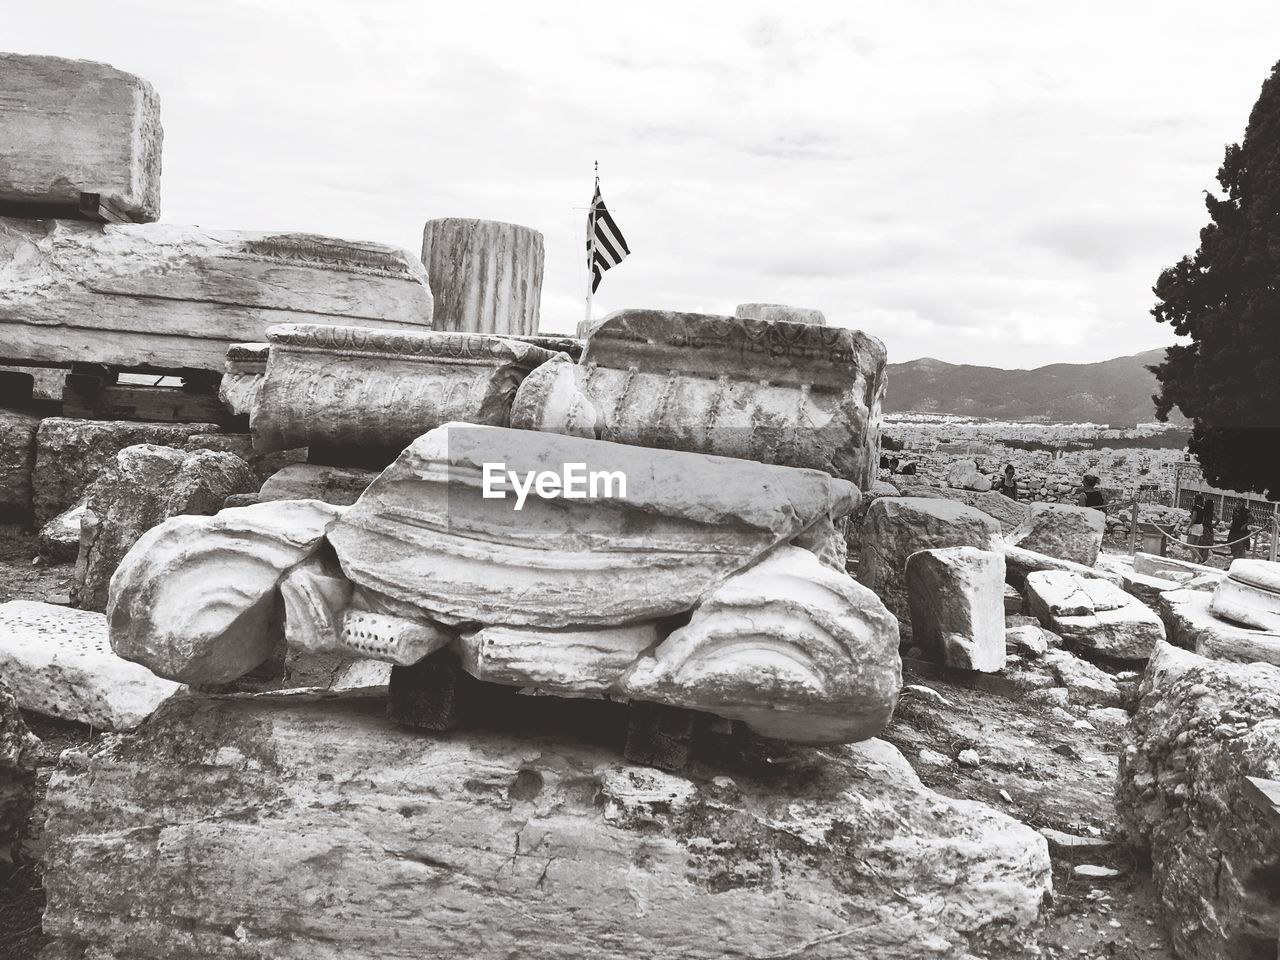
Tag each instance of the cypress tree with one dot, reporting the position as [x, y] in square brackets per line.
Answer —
[1226, 298]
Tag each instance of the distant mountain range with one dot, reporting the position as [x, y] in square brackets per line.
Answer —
[1116, 391]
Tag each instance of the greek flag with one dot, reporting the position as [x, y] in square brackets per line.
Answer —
[606, 247]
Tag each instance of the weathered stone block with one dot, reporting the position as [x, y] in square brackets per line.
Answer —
[425, 534]
[774, 312]
[59, 540]
[1063, 531]
[322, 832]
[564, 662]
[956, 600]
[785, 393]
[1201, 727]
[896, 527]
[264, 465]
[1094, 614]
[18, 749]
[1018, 563]
[169, 297]
[71, 453]
[17, 461]
[965, 475]
[144, 486]
[486, 276]
[73, 127]
[56, 661]
[1250, 595]
[357, 388]
[1010, 513]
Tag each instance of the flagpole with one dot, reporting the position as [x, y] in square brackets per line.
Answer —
[591, 249]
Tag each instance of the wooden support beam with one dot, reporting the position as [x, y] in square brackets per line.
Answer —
[89, 398]
[430, 695]
[16, 389]
[660, 736]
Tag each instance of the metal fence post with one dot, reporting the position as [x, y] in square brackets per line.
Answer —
[1133, 530]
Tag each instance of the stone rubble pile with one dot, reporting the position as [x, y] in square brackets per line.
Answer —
[508, 668]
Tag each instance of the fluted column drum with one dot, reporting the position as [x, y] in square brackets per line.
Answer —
[486, 276]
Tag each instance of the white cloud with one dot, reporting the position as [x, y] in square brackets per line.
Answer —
[991, 182]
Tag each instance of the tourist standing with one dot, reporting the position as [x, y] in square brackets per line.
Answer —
[1008, 484]
[1092, 495]
[1238, 535]
[1200, 532]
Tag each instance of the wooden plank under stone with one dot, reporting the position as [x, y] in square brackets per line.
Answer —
[84, 400]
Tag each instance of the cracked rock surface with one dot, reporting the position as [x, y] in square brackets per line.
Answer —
[251, 828]
[1201, 726]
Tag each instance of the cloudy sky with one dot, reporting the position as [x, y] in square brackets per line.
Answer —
[983, 182]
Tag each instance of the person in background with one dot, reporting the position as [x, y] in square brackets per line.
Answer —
[1008, 484]
[1200, 531]
[1238, 535]
[1091, 495]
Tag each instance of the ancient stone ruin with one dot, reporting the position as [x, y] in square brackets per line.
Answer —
[417, 630]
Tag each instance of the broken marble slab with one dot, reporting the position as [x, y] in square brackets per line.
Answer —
[57, 662]
[355, 388]
[567, 662]
[776, 392]
[1095, 614]
[165, 297]
[774, 312]
[1190, 622]
[1249, 595]
[1019, 562]
[75, 127]
[196, 598]
[486, 276]
[789, 646]
[1194, 576]
[663, 528]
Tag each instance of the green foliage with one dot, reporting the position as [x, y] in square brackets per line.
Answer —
[1226, 298]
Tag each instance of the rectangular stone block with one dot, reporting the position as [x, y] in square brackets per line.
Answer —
[17, 459]
[172, 298]
[74, 127]
[795, 394]
[70, 453]
[57, 662]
